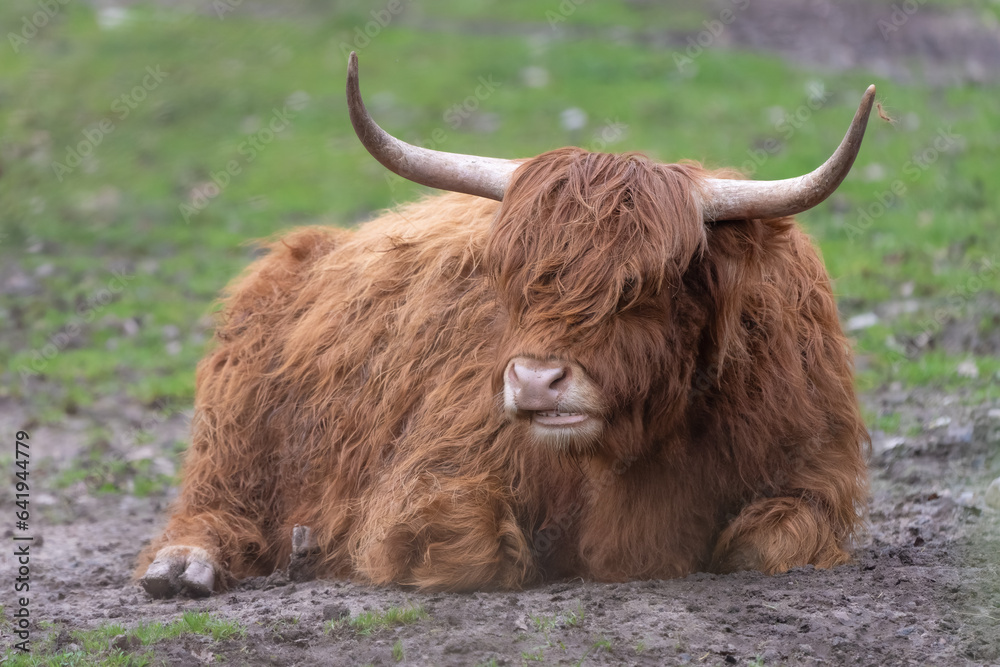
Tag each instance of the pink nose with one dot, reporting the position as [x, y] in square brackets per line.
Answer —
[537, 385]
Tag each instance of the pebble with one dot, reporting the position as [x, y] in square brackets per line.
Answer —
[535, 77]
[771, 656]
[573, 119]
[891, 443]
[874, 172]
[939, 422]
[968, 369]
[894, 309]
[862, 321]
[992, 495]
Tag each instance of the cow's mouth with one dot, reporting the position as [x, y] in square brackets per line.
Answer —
[563, 431]
[555, 400]
[556, 419]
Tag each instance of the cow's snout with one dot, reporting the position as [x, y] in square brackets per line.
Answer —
[537, 385]
[557, 399]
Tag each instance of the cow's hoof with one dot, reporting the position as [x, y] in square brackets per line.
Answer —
[180, 570]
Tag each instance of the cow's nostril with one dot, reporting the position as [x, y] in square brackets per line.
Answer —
[538, 377]
[561, 381]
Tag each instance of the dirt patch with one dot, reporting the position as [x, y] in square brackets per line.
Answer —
[903, 41]
[925, 44]
[925, 587]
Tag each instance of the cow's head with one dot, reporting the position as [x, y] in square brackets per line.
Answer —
[587, 255]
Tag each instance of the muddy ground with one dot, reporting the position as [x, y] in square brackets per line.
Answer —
[925, 587]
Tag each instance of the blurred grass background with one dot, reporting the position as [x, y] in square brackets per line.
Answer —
[109, 280]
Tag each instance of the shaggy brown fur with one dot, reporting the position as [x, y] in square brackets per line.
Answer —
[355, 380]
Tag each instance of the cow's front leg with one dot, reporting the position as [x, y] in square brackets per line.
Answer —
[777, 534]
[442, 534]
[197, 554]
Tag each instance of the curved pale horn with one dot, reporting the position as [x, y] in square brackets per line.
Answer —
[742, 200]
[480, 176]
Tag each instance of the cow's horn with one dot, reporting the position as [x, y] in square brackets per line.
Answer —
[742, 200]
[481, 176]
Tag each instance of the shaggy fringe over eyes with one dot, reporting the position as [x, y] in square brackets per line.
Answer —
[580, 236]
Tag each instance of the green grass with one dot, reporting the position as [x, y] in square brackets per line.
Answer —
[99, 469]
[544, 623]
[575, 618]
[889, 359]
[538, 655]
[93, 645]
[603, 644]
[886, 422]
[120, 285]
[368, 623]
[279, 625]
[570, 15]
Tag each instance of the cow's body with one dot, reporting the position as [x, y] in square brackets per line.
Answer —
[357, 387]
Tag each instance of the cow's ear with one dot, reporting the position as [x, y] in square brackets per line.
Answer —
[746, 266]
[732, 270]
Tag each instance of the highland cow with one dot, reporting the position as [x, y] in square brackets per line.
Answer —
[580, 364]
